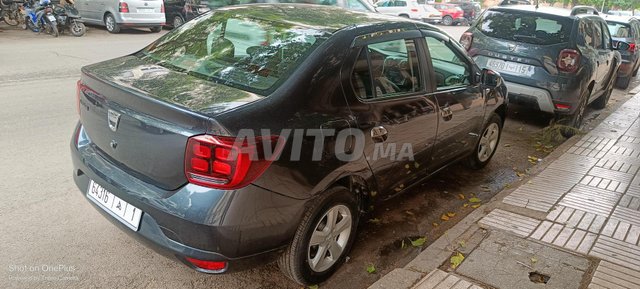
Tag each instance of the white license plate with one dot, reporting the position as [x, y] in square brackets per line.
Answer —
[510, 67]
[51, 18]
[116, 207]
[146, 10]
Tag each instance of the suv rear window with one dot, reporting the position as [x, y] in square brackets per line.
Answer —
[620, 30]
[237, 50]
[526, 27]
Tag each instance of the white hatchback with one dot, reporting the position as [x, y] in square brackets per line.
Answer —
[404, 8]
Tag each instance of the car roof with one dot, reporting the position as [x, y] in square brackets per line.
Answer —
[620, 19]
[542, 9]
[319, 17]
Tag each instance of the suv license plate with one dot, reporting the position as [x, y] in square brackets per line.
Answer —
[510, 67]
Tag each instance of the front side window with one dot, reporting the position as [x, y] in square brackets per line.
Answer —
[606, 37]
[236, 50]
[620, 30]
[385, 69]
[450, 69]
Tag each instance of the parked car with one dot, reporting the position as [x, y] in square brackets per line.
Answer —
[118, 14]
[259, 132]
[627, 30]
[403, 8]
[555, 60]
[471, 9]
[451, 14]
[432, 15]
[514, 2]
[620, 12]
[177, 12]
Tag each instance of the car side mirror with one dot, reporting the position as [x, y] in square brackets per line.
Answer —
[621, 45]
[490, 78]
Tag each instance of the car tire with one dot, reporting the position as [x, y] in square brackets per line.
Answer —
[447, 20]
[623, 82]
[111, 24]
[156, 29]
[177, 21]
[575, 120]
[297, 261]
[404, 15]
[487, 144]
[602, 101]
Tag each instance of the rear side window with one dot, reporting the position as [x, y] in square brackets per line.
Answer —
[528, 27]
[386, 69]
[355, 5]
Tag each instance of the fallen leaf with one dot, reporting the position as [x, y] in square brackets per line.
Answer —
[410, 213]
[444, 217]
[402, 245]
[418, 242]
[451, 214]
[435, 224]
[519, 174]
[461, 196]
[462, 243]
[313, 287]
[475, 200]
[371, 269]
[507, 145]
[475, 206]
[406, 166]
[456, 260]
[374, 193]
[465, 205]
[374, 221]
[534, 259]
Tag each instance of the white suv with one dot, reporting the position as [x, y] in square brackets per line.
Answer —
[404, 8]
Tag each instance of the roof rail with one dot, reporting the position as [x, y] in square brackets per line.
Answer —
[584, 10]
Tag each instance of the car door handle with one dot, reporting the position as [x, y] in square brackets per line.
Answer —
[446, 113]
[379, 134]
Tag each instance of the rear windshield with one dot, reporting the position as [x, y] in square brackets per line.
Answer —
[620, 30]
[526, 27]
[236, 50]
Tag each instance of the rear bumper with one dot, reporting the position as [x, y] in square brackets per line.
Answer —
[245, 227]
[529, 96]
[140, 20]
[432, 19]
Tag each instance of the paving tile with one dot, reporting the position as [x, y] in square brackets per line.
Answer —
[616, 164]
[626, 215]
[438, 279]
[590, 199]
[613, 175]
[630, 202]
[611, 276]
[634, 187]
[544, 190]
[629, 139]
[514, 223]
[574, 163]
[592, 146]
[569, 238]
[572, 218]
[603, 183]
[624, 151]
[616, 251]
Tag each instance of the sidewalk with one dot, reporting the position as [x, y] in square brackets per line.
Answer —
[576, 224]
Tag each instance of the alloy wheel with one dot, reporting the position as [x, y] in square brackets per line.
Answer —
[488, 142]
[329, 238]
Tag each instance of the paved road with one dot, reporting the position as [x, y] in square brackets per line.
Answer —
[50, 235]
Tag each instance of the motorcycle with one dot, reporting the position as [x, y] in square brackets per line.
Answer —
[68, 17]
[10, 12]
[47, 22]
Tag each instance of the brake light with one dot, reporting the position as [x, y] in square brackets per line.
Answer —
[162, 8]
[414, 10]
[466, 40]
[228, 162]
[568, 60]
[208, 265]
[633, 48]
[123, 7]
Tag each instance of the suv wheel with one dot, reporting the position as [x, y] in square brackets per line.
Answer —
[623, 82]
[575, 120]
[447, 20]
[110, 23]
[487, 144]
[323, 238]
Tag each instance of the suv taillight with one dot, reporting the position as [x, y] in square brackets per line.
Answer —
[568, 60]
[123, 7]
[162, 8]
[633, 48]
[414, 9]
[466, 40]
[227, 162]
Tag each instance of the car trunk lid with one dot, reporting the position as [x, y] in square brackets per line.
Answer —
[139, 115]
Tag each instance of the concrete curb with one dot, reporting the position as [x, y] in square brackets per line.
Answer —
[441, 250]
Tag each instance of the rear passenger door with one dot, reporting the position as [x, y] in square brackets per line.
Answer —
[459, 98]
[388, 99]
[603, 54]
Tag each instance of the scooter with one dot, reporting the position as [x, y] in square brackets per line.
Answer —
[47, 22]
[69, 18]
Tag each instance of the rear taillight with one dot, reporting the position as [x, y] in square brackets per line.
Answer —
[633, 48]
[466, 40]
[123, 7]
[161, 8]
[228, 162]
[568, 60]
[208, 265]
[414, 10]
